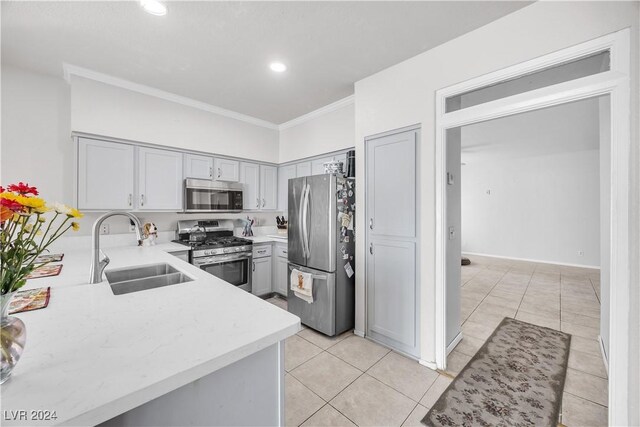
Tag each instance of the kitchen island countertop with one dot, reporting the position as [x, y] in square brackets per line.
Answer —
[91, 355]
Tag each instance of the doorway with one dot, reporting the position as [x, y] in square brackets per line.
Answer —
[459, 106]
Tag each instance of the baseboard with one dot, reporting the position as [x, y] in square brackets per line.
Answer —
[532, 260]
[430, 365]
[358, 333]
[454, 343]
[604, 354]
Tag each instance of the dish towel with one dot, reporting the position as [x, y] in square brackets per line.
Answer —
[302, 285]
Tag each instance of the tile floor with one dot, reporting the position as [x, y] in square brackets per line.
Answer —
[348, 380]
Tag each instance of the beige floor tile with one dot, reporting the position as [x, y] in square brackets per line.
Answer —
[550, 314]
[456, 361]
[585, 345]
[297, 351]
[578, 319]
[588, 363]
[416, 416]
[586, 386]
[359, 352]
[368, 402]
[328, 416]
[488, 319]
[280, 302]
[499, 305]
[477, 330]
[545, 321]
[579, 330]
[300, 402]
[514, 296]
[568, 307]
[469, 345]
[404, 375]
[326, 375]
[437, 388]
[577, 412]
[321, 340]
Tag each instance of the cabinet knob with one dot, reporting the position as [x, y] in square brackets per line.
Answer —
[130, 199]
[142, 200]
[371, 248]
[210, 172]
[257, 202]
[263, 202]
[371, 223]
[219, 172]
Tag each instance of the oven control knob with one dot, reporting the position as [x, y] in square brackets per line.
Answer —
[208, 252]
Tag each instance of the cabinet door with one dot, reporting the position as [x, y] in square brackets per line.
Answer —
[159, 179]
[261, 278]
[303, 169]
[284, 174]
[105, 175]
[268, 187]
[317, 166]
[226, 170]
[281, 276]
[250, 180]
[196, 166]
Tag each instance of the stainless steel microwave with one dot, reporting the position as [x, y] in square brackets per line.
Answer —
[201, 195]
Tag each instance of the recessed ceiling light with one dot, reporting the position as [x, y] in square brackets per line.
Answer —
[154, 7]
[278, 67]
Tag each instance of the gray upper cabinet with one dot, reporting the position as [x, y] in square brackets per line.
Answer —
[250, 180]
[303, 169]
[226, 170]
[105, 175]
[285, 173]
[197, 166]
[260, 186]
[268, 187]
[159, 180]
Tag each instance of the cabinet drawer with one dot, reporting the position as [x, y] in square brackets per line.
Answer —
[281, 251]
[261, 251]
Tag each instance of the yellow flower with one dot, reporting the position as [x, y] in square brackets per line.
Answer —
[75, 226]
[35, 203]
[75, 213]
[42, 219]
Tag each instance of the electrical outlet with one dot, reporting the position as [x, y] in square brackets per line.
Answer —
[580, 253]
[104, 229]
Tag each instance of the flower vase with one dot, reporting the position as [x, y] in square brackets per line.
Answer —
[13, 336]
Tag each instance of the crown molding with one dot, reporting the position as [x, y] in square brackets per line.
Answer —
[70, 69]
[349, 100]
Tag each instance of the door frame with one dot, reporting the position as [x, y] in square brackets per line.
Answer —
[616, 84]
[415, 127]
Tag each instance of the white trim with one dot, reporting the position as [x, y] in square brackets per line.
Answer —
[70, 69]
[430, 365]
[349, 100]
[614, 83]
[454, 343]
[538, 261]
[604, 354]
[358, 333]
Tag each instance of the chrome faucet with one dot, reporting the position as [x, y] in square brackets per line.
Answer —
[98, 265]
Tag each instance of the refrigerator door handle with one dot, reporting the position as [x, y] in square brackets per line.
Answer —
[305, 229]
[300, 213]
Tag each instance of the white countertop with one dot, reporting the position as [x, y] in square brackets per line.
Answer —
[91, 355]
[271, 238]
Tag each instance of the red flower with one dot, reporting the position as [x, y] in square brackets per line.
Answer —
[22, 188]
[11, 205]
[1, 189]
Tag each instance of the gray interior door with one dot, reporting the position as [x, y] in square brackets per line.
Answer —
[392, 231]
[296, 252]
[454, 224]
[320, 225]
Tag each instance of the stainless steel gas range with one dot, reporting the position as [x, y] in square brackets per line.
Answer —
[216, 250]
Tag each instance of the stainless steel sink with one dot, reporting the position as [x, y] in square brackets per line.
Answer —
[140, 278]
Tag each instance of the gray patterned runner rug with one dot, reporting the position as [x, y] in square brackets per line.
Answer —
[515, 379]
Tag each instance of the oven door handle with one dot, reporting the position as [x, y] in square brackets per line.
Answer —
[221, 258]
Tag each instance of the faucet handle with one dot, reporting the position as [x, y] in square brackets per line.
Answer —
[104, 261]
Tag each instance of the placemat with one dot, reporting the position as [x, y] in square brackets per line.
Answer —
[28, 300]
[45, 271]
[49, 258]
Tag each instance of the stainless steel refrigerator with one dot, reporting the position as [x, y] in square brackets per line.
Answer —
[321, 242]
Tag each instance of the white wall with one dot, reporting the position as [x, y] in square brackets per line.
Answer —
[404, 94]
[540, 208]
[322, 134]
[103, 109]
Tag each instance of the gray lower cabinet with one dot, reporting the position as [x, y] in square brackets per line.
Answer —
[280, 285]
[261, 274]
[183, 255]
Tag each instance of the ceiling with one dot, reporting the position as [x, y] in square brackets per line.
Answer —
[561, 129]
[218, 52]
